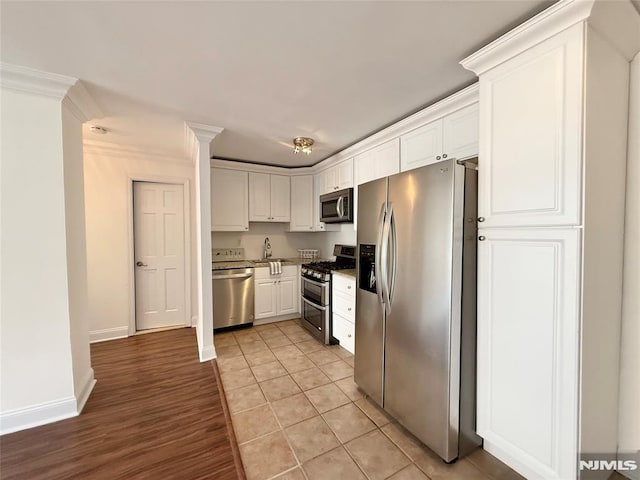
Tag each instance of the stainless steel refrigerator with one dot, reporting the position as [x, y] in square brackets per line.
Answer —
[415, 344]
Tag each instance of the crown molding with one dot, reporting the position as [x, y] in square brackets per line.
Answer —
[261, 168]
[547, 23]
[196, 133]
[81, 104]
[36, 82]
[130, 152]
[202, 132]
[456, 101]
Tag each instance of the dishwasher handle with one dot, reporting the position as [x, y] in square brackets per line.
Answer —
[234, 275]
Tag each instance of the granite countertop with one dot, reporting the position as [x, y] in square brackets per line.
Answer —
[347, 273]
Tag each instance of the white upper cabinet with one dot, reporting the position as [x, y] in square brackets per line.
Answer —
[529, 169]
[302, 203]
[379, 162]
[454, 136]
[421, 147]
[259, 197]
[269, 198]
[229, 200]
[460, 133]
[338, 177]
[280, 198]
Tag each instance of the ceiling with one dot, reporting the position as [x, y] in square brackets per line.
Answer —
[264, 71]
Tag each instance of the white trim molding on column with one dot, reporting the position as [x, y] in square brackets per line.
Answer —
[70, 90]
[198, 138]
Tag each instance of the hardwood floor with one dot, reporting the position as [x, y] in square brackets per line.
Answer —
[156, 412]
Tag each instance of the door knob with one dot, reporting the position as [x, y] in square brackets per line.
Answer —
[140, 264]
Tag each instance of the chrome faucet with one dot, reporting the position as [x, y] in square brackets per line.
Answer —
[267, 249]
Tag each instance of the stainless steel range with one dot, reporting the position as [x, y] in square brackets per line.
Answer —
[315, 287]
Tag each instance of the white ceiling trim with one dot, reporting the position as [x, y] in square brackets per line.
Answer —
[547, 23]
[130, 152]
[195, 133]
[81, 103]
[36, 82]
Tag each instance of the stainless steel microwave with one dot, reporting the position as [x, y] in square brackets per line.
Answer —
[337, 207]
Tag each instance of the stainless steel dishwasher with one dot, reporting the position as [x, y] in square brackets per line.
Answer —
[233, 291]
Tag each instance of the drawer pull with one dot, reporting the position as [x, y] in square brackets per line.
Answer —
[349, 287]
[349, 308]
[349, 335]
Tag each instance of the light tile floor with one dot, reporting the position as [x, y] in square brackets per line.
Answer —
[297, 414]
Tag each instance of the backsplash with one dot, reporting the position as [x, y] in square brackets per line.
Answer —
[283, 243]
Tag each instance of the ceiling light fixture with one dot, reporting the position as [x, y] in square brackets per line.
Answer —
[302, 144]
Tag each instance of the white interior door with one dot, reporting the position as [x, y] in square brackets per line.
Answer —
[159, 254]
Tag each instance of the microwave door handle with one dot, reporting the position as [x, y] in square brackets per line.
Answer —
[339, 207]
[378, 263]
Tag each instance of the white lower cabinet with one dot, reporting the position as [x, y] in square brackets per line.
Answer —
[276, 295]
[344, 310]
[528, 349]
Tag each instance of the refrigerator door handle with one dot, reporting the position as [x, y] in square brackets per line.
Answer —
[390, 277]
[378, 269]
[384, 258]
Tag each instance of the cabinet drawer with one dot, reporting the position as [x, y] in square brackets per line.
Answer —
[344, 305]
[344, 284]
[344, 331]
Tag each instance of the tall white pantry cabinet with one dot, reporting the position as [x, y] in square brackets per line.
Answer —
[553, 148]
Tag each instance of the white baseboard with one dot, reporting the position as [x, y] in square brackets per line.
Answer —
[207, 353]
[87, 387]
[108, 334]
[36, 415]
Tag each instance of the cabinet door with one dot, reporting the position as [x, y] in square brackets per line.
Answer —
[302, 203]
[365, 167]
[344, 174]
[280, 198]
[288, 295]
[421, 146]
[259, 197]
[460, 131]
[265, 298]
[229, 200]
[527, 359]
[529, 171]
[330, 180]
[387, 158]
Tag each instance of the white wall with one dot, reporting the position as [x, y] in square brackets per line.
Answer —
[284, 244]
[629, 413]
[43, 352]
[107, 177]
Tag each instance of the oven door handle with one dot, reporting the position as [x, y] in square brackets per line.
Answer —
[318, 284]
[314, 305]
